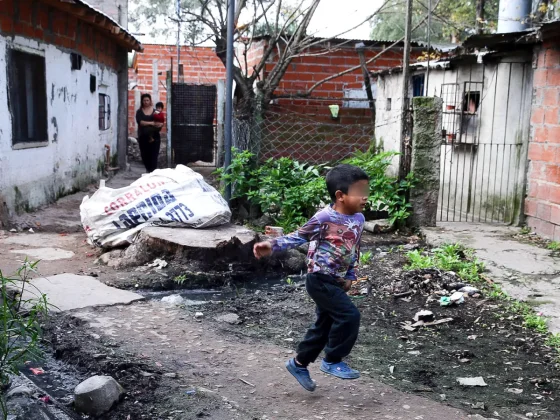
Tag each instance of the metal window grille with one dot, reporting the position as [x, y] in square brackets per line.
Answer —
[104, 112]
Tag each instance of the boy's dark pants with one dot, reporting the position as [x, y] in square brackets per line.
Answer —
[337, 325]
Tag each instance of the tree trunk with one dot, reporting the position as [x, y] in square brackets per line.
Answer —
[479, 15]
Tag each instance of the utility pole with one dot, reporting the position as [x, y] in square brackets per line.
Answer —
[178, 39]
[229, 92]
[427, 83]
[405, 89]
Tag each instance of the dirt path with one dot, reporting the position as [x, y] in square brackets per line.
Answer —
[203, 355]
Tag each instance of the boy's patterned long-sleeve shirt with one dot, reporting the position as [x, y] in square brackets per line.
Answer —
[334, 242]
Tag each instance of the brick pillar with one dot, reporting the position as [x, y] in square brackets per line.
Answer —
[426, 149]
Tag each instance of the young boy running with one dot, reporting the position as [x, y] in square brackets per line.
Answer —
[334, 234]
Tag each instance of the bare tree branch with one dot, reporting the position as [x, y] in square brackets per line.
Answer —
[308, 92]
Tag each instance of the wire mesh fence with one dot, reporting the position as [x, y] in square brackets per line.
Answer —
[316, 139]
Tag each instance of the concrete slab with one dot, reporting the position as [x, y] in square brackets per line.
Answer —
[48, 254]
[525, 271]
[200, 238]
[70, 291]
[36, 240]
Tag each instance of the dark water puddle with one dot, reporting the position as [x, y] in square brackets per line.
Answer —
[264, 283]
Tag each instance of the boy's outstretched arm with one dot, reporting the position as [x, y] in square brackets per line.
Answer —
[307, 233]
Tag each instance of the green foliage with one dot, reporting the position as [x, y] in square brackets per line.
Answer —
[553, 246]
[525, 230]
[180, 279]
[453, 19]
[386, 193]
[453, 257]
[291, 192]
[366, 257]
[553, 341]
[20, 322]
[535, 322]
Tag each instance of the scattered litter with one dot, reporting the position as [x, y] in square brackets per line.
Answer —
[429, 324]
[158, 364]
[173, 300]
[472, 337]
[246, 382]
[445, 301]
[476, 381]
[470, 290]
[190, 392]
[515, 391]
[13, 230]
[158, 264]
[171, 375]
[46, 399]
[198, 315]
[404, 294]
[37, 371]
[425, 316]
[457, 298]
[414, 353]
[479, 406]
[391, 369]
[464, 360]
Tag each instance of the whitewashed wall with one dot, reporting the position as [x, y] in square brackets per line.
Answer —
[483, 182]
[30, 177]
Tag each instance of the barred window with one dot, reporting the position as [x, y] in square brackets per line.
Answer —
[104, 112]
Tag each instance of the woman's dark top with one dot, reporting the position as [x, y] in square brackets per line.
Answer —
[144, 131]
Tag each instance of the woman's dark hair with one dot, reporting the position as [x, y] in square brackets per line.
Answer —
[341, 177]
[144, 95]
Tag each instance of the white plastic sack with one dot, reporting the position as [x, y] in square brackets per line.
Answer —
[167, 197]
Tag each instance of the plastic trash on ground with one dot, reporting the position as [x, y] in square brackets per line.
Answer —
[167, 197]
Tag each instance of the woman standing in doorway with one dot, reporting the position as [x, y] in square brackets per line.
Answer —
[149, 139]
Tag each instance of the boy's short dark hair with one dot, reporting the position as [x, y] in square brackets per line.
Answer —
[341, 177]
[159, 105]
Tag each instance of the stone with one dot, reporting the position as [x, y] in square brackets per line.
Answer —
[171, 375]
[173, 300]
[198, 315]
[229, 318]
[97, 395]
[477, 381]
[71, 291]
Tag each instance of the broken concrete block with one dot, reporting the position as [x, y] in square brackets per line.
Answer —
[96, 395]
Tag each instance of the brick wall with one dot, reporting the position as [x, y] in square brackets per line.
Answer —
[200, 66]
[542, 205]
[36, 20]
[305, 71]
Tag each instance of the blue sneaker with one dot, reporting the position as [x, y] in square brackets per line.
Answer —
[340, 370]
[302, 375]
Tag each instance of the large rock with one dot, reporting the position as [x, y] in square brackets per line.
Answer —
[96, 395]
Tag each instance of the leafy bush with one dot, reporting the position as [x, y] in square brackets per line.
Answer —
[291, 192]
[386, 193]
[19, 322]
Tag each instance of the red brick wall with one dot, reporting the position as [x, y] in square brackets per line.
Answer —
[542, 205]
[200, 66]
[305, 71]
[36, 20]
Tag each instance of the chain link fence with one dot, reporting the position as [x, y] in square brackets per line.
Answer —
[317, 139]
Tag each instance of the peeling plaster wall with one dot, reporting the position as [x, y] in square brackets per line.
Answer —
[31, 177]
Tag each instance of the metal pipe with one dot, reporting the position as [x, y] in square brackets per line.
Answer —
[178, 39]
[229, 93]
[513, 15]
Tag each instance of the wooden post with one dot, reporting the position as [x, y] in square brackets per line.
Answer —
[405, 135]
[169, 81]
[367, 82]
[122, 109]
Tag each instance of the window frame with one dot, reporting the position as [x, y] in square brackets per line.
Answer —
[104, 121]
[38, 86]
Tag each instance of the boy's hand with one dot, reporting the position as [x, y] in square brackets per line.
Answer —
[262, 249]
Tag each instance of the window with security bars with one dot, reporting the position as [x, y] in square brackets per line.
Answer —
[104, 112]
[27, 92]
